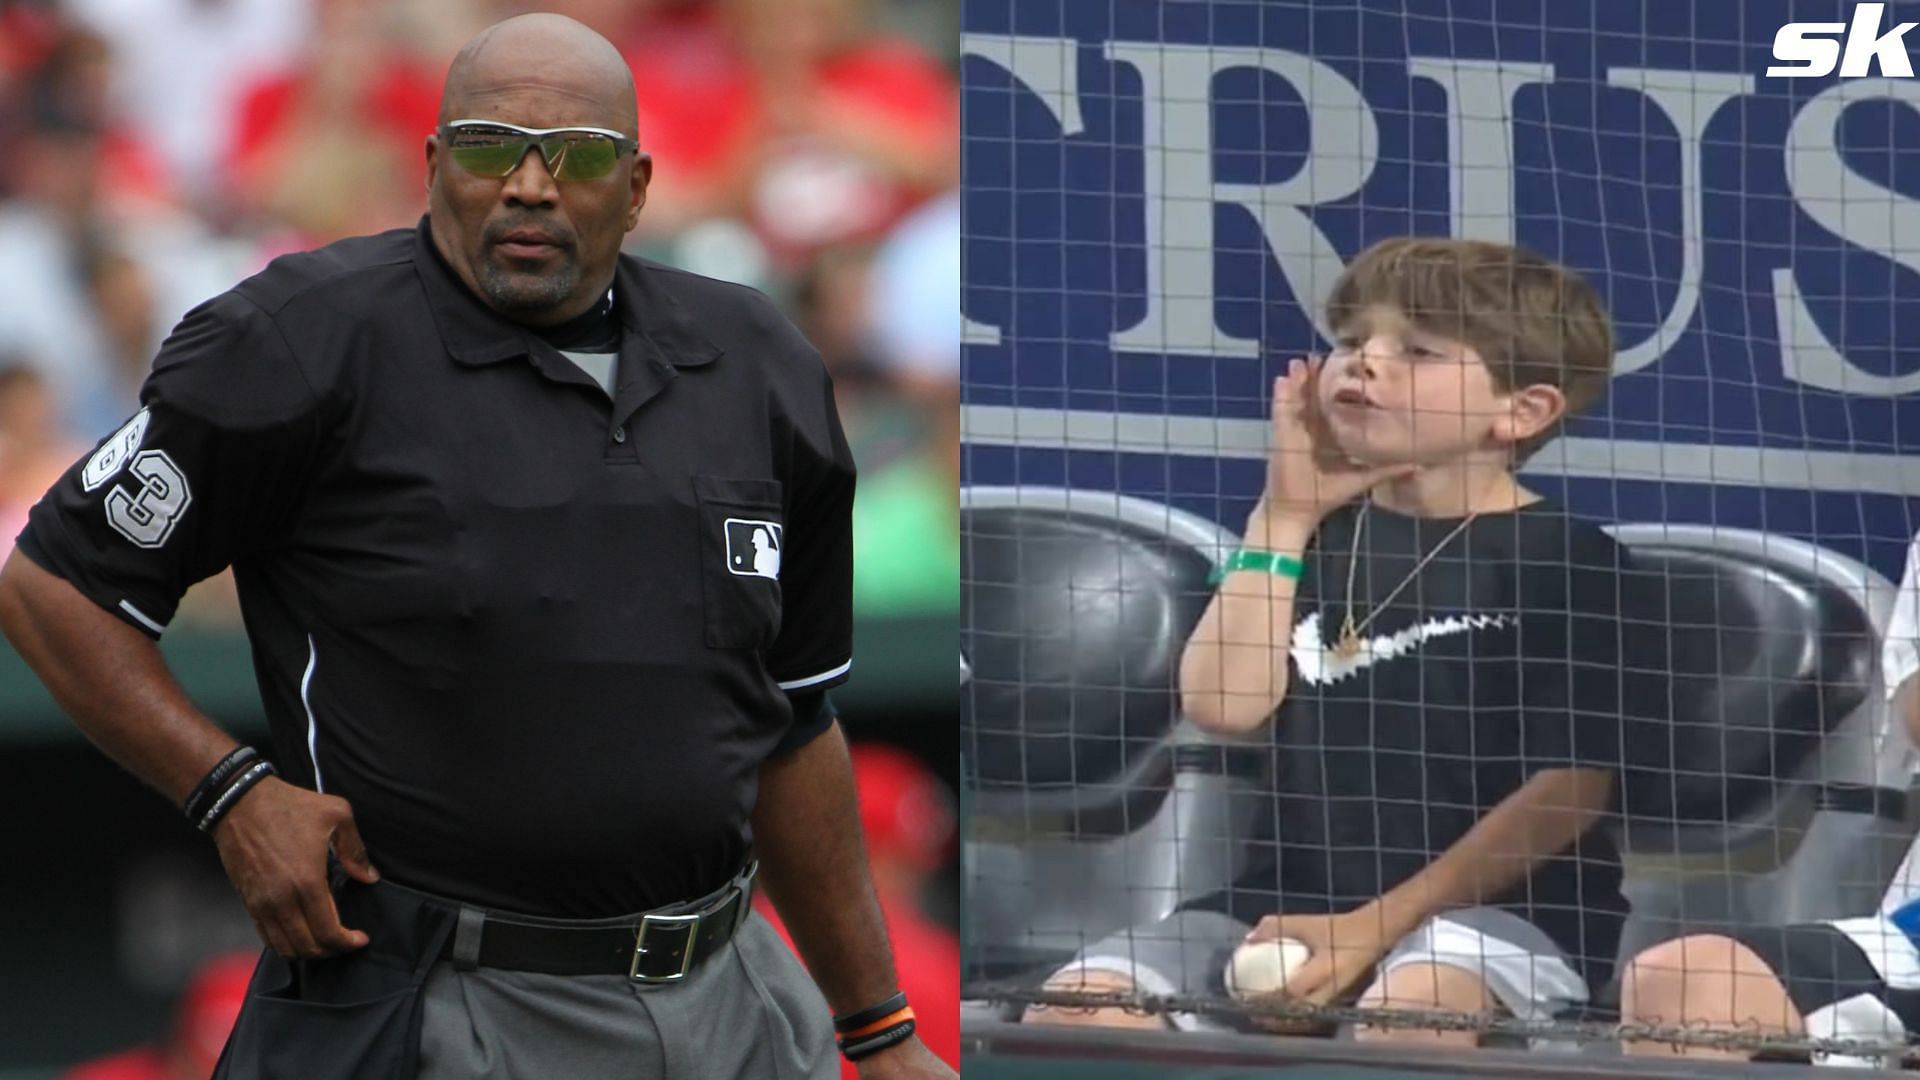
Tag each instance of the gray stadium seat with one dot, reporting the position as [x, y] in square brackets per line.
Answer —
[1090, 809]
[1779, 725]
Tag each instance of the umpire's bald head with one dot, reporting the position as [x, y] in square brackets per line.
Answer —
[537, 249]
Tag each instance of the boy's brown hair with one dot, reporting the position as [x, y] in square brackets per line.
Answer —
[1531, 320]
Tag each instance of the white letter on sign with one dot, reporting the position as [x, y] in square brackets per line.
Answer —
[1050, 68]
[1343, 142]
[1480, 137]
[1859, 212]
[1689, 100]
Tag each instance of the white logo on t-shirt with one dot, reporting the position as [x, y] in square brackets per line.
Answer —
[1320, 664]
[753, 547]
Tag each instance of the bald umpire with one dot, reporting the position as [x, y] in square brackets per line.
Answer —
[544, 556]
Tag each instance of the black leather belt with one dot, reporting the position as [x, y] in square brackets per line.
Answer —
[662, 946]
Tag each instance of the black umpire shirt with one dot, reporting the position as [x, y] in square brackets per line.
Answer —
[542, 641]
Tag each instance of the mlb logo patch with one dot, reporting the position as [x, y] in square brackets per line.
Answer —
[753, 547]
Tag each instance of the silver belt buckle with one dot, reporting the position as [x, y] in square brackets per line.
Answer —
[648, 922]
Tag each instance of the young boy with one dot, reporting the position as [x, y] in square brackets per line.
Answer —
[1855, 979]
[1435, 653]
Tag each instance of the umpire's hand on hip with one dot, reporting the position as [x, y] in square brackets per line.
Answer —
[274, 845]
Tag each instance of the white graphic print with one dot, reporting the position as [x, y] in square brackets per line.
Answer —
[1319, 664]
[753, 548]
[114, 453]
[147, 515]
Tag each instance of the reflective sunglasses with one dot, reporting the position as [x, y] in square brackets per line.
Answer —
[493, 148]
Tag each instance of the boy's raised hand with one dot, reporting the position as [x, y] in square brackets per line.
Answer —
[1307, 475]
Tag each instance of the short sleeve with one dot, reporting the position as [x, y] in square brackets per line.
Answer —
[813, 715]
[1584, 684]
[815, 648]
[1900, 645]
[209, 470]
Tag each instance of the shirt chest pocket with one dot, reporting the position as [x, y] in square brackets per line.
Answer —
[742, 538]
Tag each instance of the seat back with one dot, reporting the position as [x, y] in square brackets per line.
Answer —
[1089, 808]
[1777, 714]
[1771, 648]
[1074, 607]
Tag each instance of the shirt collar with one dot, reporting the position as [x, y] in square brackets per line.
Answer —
[475, 334]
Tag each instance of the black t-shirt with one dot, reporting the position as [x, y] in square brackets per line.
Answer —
[1506, 655]
[541, 640]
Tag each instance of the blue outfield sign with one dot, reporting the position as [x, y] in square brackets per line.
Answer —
[1159, 195]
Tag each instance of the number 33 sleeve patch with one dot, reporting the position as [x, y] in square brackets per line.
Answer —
[210, 469]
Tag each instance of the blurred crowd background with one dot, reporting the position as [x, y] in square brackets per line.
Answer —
[161, 150]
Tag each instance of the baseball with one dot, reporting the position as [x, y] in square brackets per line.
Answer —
[1262, 967]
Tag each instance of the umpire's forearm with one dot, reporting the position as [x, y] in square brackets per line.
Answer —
[110, 678]
[813, 864]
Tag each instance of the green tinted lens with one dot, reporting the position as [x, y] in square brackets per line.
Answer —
[584, 157]
[486, 152]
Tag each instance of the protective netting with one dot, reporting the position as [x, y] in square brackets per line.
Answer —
[1160, 200]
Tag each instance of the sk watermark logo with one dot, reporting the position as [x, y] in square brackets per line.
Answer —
[1809, 50]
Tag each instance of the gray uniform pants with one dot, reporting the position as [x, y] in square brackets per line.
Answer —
[750, 1012]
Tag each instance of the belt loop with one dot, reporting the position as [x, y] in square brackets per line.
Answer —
[466, 938]
[750, 875]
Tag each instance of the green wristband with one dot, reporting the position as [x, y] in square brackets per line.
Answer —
[1270, 562]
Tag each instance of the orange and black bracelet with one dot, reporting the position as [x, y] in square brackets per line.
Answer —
[875, 1028]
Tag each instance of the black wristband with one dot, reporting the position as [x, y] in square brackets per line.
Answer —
[255, 773]
[856, 1021]
[866, 1045]
[210, 785]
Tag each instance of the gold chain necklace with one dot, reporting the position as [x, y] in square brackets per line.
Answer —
[1348, 645]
